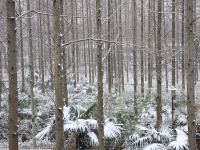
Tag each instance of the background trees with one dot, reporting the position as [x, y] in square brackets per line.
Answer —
[124, 48]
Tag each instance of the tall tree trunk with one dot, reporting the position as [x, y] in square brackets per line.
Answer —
[64, 71]
[89, 35]
[1, 80]
[183, 44]
[177, 41]
[155, 24]
[12, 71]
[165, 44]
[99, 79]
[127, 48]
[158, 66]
[73, 45]
[41, 49]
[58, 75]
[22, 48]
[83, 36]
[31, 74]
[173, 54]
[150, 46]
[50, 43]
[1, 56]
[142, 46]
[118, 49]
[121, 57]
[195, 30]
[91, 45]
[110, 37]
[77, 46]
[134, 25]
[191, 110]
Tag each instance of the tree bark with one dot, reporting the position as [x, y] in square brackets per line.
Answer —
[127, 47]
[64, 71]
[183, 44]
[191, 77]
[77, 46]
[158, 66]
[21, 48]
[50, 43]
[73, 45]
[83, 36]
[110, 72]
[134, 25]
[1, 80]
[31, 74]
[173, 55]
[99, 79]
[150, 46]
[12, 71]
[58, 75]
[141, 51]
[41, 49]
[88, 44]
[120, 51]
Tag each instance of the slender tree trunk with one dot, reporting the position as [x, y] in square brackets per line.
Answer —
[73, 45]
[1, 56]
[150, 46]
[134, 25]
[121, 57]
[110, 73]
[31, 74]
[41, 49]
[50, 43]
[158, 66]
[118, 49]
[22, 49]
[173, 55]
[12, 71]
[155, 24]
[77, 46]
[126, 31]
[88, 44]
[142, 44]
[166, 44]
[83, 36]
[177, 40]
[64, 70]
[91, 45]
[183, 44]
[99, 79]
[58, 75]
[191, 109]
[195, 31]
[1, 80]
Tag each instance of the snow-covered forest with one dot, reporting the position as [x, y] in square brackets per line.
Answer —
[99, 74]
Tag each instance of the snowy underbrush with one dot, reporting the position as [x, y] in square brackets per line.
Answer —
[44, 109]
[122, 127]
[80, 131]
[151, 139]
[84, 94]
[171, 136]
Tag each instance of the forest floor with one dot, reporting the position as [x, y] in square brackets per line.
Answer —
[4, 146]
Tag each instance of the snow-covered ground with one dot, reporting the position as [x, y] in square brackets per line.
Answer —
[117, 107]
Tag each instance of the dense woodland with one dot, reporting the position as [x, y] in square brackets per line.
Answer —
[100, 74]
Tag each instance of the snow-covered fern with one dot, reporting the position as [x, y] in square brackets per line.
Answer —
[150, 139]
[147, 137]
